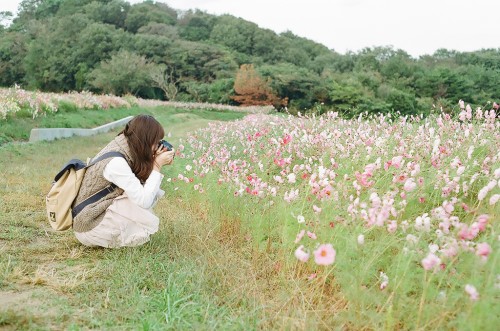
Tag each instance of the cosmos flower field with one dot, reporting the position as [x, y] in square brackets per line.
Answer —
[382, 215]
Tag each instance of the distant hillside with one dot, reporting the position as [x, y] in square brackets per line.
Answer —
[154, 51]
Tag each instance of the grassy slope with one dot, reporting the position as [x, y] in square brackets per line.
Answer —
[18, 128]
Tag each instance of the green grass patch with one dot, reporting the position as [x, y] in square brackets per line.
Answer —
[18, 127]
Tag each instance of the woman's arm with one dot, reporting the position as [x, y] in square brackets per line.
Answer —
[119, 172]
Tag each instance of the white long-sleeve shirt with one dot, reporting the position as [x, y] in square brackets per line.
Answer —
[118, 172]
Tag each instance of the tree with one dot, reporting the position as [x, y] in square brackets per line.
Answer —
[251, 89]
[200, 61]
[5, 18]
[196, 26]
[297, 84]
[163, 77]
[234, 33]
[124, 73]
[142, 14]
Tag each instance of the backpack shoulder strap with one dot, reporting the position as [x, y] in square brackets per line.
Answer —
[105, 156]
[74, 163]
[100, 194]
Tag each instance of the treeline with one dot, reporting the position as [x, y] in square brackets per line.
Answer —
[154, 51]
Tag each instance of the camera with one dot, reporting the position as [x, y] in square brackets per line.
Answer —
[165, 144]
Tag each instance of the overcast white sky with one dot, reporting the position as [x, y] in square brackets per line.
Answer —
[416, 26]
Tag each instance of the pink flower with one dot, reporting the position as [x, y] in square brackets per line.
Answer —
[409, 185]
[312, 276]
[324, 254]
[482, 221]
[291, 178]
[461, 104]
[316, 209]
[469, 233]
[311, 235]
[392, 226]
[431, 261]
[363, 179]
[397, 161]
[299, 236]
[450, 251]
[301, 255]
[361, 239]
[483, 250]
[494, 199]
[286, 139]
[385, 280]
[482, 193]
[472, 292]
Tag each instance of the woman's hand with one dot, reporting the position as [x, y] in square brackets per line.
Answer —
[163, 157]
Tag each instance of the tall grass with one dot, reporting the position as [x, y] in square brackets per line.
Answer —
[221, 262]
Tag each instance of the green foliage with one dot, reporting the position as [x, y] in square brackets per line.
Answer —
[196, 26]
[124, 73]
[234, 33]
[55, 45]
[296, 83]
[217, 91]
[144, 13]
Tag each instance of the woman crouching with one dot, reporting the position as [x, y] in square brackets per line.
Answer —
[124, 217]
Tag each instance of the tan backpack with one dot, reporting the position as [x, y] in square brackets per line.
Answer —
[67, 182]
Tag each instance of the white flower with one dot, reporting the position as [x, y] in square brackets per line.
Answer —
[494, 199]
[301, 255]
[411, 239]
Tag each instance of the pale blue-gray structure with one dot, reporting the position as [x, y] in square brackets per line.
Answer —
[58, 133]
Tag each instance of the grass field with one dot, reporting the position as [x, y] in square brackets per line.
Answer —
[224, 256]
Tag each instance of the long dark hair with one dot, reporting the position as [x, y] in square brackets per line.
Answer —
[142, 133]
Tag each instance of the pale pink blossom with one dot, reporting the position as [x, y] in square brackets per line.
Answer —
[324, 254]
[469, 233]
[361, 239]
[483, 250]
[494, 199]
[396, 161]
[409, 185]
[431, 261]
[311, 235]
[291, 178]
[300, 235]
[301, 255]
[392, 226]
[316, 209]
[451, 250]
[482, 221]
[461, 104]
[482, 193]
[278, 179]
[472, 292]
[291, 196]
[384, 280]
